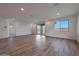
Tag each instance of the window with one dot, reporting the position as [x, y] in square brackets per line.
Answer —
[62, 25]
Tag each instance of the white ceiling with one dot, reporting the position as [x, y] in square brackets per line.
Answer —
[39, 11]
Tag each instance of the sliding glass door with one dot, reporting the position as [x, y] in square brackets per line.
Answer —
[40, 28]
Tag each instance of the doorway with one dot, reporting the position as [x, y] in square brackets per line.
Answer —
[40, 29]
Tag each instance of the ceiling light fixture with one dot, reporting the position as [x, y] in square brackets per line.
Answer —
[58, 14]
[22, 9]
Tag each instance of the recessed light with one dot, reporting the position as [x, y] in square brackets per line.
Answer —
[58, 13]
[22, 9]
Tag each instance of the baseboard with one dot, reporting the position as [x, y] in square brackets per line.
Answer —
[59, 37]
[15, 36]
[4, 38]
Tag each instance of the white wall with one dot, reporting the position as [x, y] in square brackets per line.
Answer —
[3, 31]
[22, 28]
[50, 30]
[33, 28]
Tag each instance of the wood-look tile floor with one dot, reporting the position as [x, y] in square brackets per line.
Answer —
[38, 45]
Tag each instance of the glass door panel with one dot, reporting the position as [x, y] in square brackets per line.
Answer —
[40, 28]
[11, 31]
